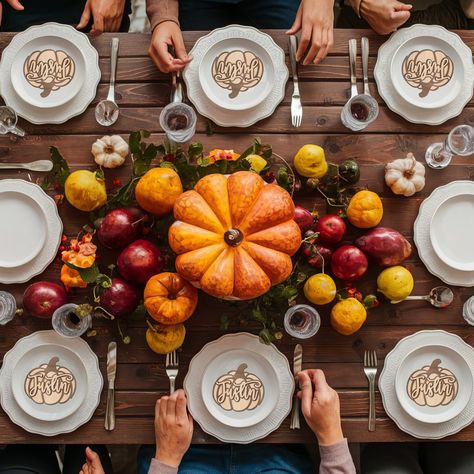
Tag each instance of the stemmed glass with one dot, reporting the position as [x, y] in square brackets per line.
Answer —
[460, 142]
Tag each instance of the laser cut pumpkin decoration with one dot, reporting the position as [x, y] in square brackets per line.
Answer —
[234, 235]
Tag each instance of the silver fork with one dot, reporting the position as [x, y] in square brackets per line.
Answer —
[370, 370]
[296, 108]
[172, 366]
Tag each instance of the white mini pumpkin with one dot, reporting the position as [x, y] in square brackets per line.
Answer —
[110, 151]
[405, 176]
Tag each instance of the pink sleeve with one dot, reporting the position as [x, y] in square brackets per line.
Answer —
[336, 459]
[156, 467]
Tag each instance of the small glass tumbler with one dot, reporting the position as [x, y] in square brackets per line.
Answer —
[8, 122]
[460, 141]
[359, 112]
[66, 323]
[7, 307]
[178, 120]
[468, 311]
[302, 321]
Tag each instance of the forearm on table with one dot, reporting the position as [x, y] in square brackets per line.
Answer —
[336, 459]
[157, 467]
[159, 11]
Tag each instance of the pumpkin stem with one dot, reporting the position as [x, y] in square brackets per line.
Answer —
[52, 364]
[410, 172]
[233, 237]
[240, 372]
[434, 367]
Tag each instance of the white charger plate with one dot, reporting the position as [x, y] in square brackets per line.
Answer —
[434, 383]
[408, 110]
[64, 389]
[53, 225]
[197, 407]
[238, 117]
[392, 406]
[94, 384]
[456, 249]
[244, 402]
[22, 228]
[77, 104]
[422, 238]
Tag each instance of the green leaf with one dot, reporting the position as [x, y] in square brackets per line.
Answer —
[266, 336]
[195, 150]
[89, 275]
[139, 313]
[60, 167]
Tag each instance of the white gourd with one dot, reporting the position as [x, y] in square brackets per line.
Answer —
[110, 151]
[405, 176]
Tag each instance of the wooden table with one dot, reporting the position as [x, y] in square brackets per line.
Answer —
[142, 92]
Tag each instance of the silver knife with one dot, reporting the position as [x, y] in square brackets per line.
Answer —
[297, 367]
[111, 369]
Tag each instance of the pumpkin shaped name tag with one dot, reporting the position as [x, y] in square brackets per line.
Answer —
[238, 390]
[432, 385]
[237, 71]
[427, 70]
[50, 384]
[49, 70]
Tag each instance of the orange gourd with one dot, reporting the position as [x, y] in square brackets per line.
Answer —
[169, 298]
[234, 235]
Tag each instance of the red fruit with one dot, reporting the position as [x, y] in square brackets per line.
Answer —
[303, 218]
[138, 262]
[120, 299]
[348, 263]
[120, 227]
[331, 229]
[43, 298]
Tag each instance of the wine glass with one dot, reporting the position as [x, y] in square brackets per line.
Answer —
[460, 142]
[302, 321]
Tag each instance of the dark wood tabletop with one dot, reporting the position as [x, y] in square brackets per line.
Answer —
[142, 92]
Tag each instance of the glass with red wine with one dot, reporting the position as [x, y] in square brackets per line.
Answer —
[302, 321]
[178, 121]
[359, 112]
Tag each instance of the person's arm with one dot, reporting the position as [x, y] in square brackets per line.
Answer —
[315, 19]
[173, 431]
[15, 4]
[159, 11]
[106, 14]
[320, 407]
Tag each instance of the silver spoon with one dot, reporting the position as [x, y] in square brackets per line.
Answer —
[39, 165]
[439, 297]
[107, 110]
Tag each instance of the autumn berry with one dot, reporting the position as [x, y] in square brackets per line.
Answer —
[117, 182]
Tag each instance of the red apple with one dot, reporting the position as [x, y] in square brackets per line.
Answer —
[331, 229]
[43, 298]
[120, 227]
[138, 262]
[303, 218]
[348, 263]
[120, 299]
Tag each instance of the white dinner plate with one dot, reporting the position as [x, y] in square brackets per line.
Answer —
[422, 234]
[48, 71]
[392, 406]
[52, 223]
[64, 103]
[434, 383]
[240, 388]
[22, 228]
[404, 99]
[249, 106]
[456, 249]
[427, 72]
[244, 346]
[91, 378]
[49, 382]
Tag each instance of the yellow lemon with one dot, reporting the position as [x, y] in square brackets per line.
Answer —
[320, 289]
[257, 163]
[396, 283]
[348, 316]
[310, 161]
[163, 339]
[365, 209]
[85, 190]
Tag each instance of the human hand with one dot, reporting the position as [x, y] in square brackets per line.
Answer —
[315, 20]
[167, 34]
[173, 428]
[15, 4]
[93, 464]
[107, 15]
[385, 16]
[320, 406]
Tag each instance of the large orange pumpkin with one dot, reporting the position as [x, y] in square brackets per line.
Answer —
[169, 298]
[234, 235]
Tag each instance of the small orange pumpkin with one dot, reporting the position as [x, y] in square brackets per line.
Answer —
[169, 298]
[164, 339]
[234, 235]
